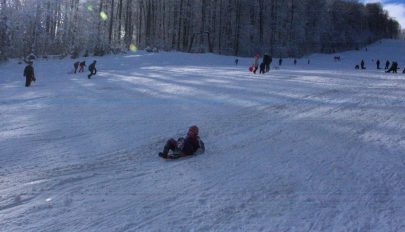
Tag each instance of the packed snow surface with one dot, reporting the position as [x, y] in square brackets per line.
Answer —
[311, 147]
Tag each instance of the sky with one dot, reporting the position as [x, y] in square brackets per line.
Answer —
[396, 9]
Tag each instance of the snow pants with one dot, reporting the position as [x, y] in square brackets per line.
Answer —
[92, 73]
[76, 66]
[267, 68]
[173, 145]
[28, 80]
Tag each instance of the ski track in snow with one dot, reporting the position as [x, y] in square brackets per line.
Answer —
[317, 147]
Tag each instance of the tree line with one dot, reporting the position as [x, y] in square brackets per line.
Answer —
[231, 27]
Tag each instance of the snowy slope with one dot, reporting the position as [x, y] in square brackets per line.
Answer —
[317, 147]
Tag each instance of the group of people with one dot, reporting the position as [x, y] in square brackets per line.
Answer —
[394, 67]
[264, 65]
[92, 68]
[389, 67]
[29, 73]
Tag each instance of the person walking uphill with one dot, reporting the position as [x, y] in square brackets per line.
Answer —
[190, 145]
[29, 74]
[92, 69]
[76, 66]
[82, 65]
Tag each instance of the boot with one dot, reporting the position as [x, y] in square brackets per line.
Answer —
[164, 156]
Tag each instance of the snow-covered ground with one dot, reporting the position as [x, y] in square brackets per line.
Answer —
[318, 147]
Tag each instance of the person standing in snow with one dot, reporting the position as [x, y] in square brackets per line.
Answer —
[236, 62]
[362, 64]
[76, 66]
[295, 61]
[280, 61]
[82, 65]
[387, 64]
[378, 64]
[262, 68]
[267, 59]
[256, 64]
[92, 69]
[190, 145]
[29, 74]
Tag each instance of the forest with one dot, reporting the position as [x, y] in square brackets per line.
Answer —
[230, 27]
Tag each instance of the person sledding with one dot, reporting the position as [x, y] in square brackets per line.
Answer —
[188, 146]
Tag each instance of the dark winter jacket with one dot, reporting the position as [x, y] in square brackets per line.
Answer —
[92, 67]
[83, 63]
[29, 71]
[267, 59]
[189, 146]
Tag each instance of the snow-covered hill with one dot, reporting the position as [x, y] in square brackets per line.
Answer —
[318, 147]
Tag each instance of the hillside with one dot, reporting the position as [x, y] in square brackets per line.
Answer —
[318, 147]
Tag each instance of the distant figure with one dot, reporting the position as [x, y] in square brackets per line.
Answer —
[403, 71]
[357, 66]
[336, 58]
[280, 61]
[82, 65]
[92, 69]
[236, 62]
[262, 68]
[362, 65]
[309, 61]
[29, 74]
[257, 57]
[394, 68]
[76, 66]
[378, 64]
[267, 59]
[295, 61]
[387, 64]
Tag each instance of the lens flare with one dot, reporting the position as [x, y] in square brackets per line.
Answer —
[89, 7]
[133, 47]
[103, 16]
